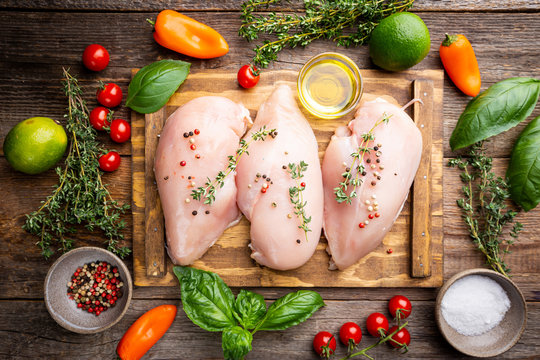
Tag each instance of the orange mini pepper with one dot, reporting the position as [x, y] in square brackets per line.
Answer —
[187, 36]
[459, 61]
[145, 332]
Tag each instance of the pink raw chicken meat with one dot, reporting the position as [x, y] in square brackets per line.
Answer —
[221, 123]
[353, 230]
[276, 240]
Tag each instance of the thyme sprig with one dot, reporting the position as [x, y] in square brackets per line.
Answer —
[208, 191]
[357, 164]
[484, 208]
[296, 195]
[80, 197]
[347, 22]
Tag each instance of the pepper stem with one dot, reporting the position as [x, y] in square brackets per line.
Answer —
[151, 22]
[449, 40]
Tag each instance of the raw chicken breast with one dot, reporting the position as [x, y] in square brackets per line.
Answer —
[191, 226]
[276, 240]
[353, 230]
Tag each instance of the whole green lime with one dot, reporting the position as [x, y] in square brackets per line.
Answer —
[35, 145]
[399, 41]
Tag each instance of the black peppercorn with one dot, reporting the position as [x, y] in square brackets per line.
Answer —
[186, 134]
[194, 212]
[298, 241]
[191, 133]
[207, 212]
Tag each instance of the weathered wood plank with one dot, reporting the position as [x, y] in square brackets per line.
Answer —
[235, 5]
[29, 332]
[30, 79]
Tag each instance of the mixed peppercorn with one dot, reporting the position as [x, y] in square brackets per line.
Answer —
[95, 287]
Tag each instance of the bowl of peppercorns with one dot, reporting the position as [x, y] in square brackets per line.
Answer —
[88, 290]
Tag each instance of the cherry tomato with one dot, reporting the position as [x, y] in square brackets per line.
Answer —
[350, 334]
[248, 76]
[400, 307]
[324, 344]
[377, 324]
[110, 95]
[110, 161]
[120, 130]
[98, 117]
[402, 337]
[95, 57]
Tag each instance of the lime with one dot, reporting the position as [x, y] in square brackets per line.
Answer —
[399, 42]
[35, 145]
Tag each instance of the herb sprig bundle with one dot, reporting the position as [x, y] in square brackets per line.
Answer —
[296, 194]
[208, 191]
[484, 208]
[80, 197]
[347, 22]
[357, 164]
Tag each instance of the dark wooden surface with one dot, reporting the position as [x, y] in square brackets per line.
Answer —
[38, 37]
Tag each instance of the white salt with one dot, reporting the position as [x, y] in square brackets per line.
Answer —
[474, 305]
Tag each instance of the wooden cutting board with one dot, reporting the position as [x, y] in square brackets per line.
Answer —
[416, 259]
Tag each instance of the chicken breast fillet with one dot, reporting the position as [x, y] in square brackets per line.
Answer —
[353, 230]
[194, 145]
[264, 181]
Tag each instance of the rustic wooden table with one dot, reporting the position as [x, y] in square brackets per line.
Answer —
[38, 38]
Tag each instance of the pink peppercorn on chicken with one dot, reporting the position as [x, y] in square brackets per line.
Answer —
[266, 185]
[356, 225]
[194, 145]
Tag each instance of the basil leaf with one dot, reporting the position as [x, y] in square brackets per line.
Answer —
[250, 307]
[207, 301]
[236, 343]
[154, 84]
[291, 309]
[499, 108]
[523, 172]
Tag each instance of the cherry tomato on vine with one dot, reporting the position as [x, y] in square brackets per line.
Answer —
[324, 344]
[98, 117]
[248, 76]
[95, 57]
[377, 324]
[400, 307]
[350, 334]
[109, 95]
[120, 130]
[402, 337]
[110, 161]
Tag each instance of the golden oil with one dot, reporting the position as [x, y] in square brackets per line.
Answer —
[329, 86]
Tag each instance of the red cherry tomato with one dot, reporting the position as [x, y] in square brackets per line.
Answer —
[350, 334]
[324, 344]
[402, 337]
[98, 117]
[110, 161]
[95, 57]
[400, 307]
[377, 324]
[110, 95]
[248, 76]
[120, 130]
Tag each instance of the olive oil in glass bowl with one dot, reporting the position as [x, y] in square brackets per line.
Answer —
[329, 85]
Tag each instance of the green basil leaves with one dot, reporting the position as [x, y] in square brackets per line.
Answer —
[499, 108]
[154, 84]
[210, 304]
[523, 172]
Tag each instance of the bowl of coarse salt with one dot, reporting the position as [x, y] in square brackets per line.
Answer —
[481, 312]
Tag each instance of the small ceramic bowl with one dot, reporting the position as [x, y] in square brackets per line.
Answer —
[497, 340]
[346, 66]
[64, 310]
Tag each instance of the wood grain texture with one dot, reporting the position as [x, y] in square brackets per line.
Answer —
[28, 332]
[230, 256]
[235, 5]
[421, 233]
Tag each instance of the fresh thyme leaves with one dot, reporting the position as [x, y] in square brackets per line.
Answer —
[484, 208]
[208, 191]
[347, 22]
[296, 194]
[80, 197]
[358, 165]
